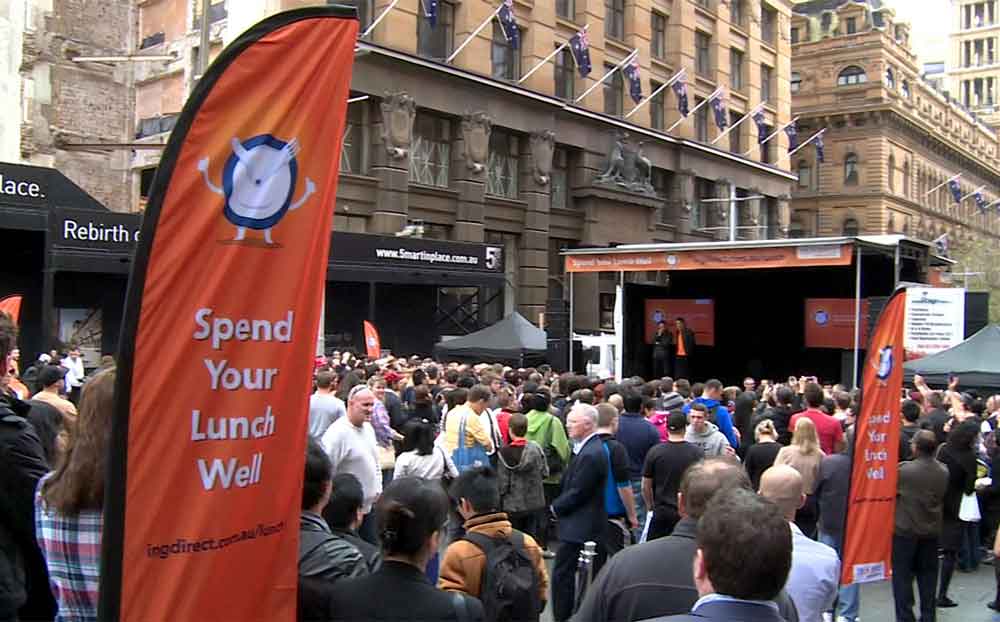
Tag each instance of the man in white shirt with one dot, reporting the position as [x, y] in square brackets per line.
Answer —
[324, 406]
[815, 575]
[350, 443]
[74, 373]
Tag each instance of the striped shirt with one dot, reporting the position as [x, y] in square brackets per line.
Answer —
[72, 549]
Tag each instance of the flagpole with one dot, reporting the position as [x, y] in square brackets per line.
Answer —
[778, 131]
[992, 204]
[359, 98]
[942, 184]
[548, 58]
[737, 124]
[634, 53]
[475, 33]
[379, 19]
[802, 146]
[979, 189]
[714, 94]
[658, 90]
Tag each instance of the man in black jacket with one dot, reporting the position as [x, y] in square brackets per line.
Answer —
[24, 582]
[580, 506]
[656, 578]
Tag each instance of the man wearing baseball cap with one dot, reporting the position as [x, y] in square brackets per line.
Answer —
[52, 380]
[661, 475]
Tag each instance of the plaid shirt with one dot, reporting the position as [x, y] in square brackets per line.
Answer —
[72, 549]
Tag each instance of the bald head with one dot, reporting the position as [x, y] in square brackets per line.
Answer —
[783, 485]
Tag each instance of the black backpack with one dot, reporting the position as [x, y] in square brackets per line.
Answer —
[509, 589]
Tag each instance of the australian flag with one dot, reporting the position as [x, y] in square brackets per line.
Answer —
[941, 245]
[793, 136]
[820, 155]
[956, 191]
[509, 24]
[758, 118]
[980, 201]
[431, 9]
[634, 80]
[580, 45]
[719, 108]
[681, 90]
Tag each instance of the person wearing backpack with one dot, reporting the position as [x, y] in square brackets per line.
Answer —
[548, 432]
[493, 562]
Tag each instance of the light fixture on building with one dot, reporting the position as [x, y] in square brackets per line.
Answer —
[415, 229]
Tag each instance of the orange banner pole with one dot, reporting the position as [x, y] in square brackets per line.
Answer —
[373, 345]
[204, 485]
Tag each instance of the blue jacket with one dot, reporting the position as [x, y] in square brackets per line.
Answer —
[722, 418]
[638, 436]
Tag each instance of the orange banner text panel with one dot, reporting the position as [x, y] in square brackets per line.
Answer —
[829, 323]
[714, 259]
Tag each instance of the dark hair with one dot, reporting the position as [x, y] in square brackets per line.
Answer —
[784, 396]
[649, 389]
[409, 512]
[735, 523]
[813, 394]
[538, 401]
[419, 377]
[478, 486]
[451, 376]
[961, 436]
[925, 442]
[479, 393]
[666, 384]
[829, 405]
[632, 401]
[648, 403]
[683, 387]
[319, 471]
[351, 380]
[346, 499]
[700, 408]
[910, 410]
[324, 379]
[48, 423]
[8, 336]
[712, 385]
[432, 372]
[681, 320]
[466, 381]
[935, 400]
[455, 397]
[421, 394]
[418, 436]
[843, 400]
[703, 479]
[697, 389]
[518, 425]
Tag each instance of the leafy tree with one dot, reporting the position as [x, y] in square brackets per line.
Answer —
[981, 257]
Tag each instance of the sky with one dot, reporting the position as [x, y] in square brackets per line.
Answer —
[931, 20]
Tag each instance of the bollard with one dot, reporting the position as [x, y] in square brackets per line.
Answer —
[584, 571]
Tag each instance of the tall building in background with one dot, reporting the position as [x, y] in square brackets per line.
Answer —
[974, 64]
[891, 137]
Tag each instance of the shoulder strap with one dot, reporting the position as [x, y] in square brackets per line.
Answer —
[461, 430]
[485, 543]
[461, 608]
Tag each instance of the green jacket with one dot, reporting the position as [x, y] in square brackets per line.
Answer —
[538, 431]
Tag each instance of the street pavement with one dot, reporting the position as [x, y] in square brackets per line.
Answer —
[970, 590]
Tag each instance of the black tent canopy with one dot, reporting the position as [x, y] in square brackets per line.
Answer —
[512, 340]
[976, 361]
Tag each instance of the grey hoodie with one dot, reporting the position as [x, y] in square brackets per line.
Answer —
[711, 441]
[521, 484]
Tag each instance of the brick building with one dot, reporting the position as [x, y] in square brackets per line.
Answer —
[891, 136]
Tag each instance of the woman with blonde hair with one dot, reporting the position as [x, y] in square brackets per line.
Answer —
[805, 456]
[69, 504]
[760, 457]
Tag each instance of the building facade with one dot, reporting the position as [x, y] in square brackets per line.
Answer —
[475, 149]
[973, 63]
[891, 137]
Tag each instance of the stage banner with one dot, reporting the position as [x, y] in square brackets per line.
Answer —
[373, 345]
[698, 314]
[204, 482]
[826, 255]
[11, 305]
[871, 503]
[935, 320]
[829, 323]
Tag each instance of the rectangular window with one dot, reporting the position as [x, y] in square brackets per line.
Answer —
[613, 92]
[736, 69]
[614, 19]
[658, 45]
[430, 156]
[506, 61]
[364, 13]
[737, 13]
[352, 147]
[736, 135]
[705, 4]
[852, 25]
[437, 42]
[565, 75]
[765, 83]
[566, 9]
[703, 53]
[765, 149]
[768, 24]
[607, 311]
[656, 107]
[502, 165]
[699, 213]
[795, 35]
[560, 179]
[701, 121]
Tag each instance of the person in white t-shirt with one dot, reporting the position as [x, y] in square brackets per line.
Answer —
[74, 373]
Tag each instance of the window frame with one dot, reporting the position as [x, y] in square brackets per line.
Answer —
[564, 74]
[795, 82]
[614, 85]
[614, 28]
[658, 36]
[509, 183]
[737, 80]
[849, 77]
[439, 140]
[701, 120]
[851, 176]
[512, 60]
[703, 54]
[566, 9]
[766, 93]
[445, 30]
[805, 167]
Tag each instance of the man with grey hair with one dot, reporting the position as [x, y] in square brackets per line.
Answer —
[579, 509]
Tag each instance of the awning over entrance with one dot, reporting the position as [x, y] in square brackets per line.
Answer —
[27, 193]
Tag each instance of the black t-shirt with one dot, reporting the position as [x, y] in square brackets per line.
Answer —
[665, 464]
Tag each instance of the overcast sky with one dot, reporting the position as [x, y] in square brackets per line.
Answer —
[931, 20]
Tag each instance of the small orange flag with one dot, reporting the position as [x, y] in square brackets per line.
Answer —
[373, 345]
[11, 305]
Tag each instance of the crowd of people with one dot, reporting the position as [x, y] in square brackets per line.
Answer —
[453, 491]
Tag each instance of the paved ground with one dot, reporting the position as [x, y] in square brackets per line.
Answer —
[971, 591]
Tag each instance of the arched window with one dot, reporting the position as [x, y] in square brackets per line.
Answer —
[852, 75]
[892, 173]
[890, 78]
[796, 81]
[851, 227]
[851, 169]
[805, 175]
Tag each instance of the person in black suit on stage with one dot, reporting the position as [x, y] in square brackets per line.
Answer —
[661, 350]
[683, 349]
[579, 508]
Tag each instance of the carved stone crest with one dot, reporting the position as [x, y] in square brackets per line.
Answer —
[476, 129]
[398, 112]
[543, 145]
[627, 167]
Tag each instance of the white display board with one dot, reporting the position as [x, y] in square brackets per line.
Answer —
[935, 320]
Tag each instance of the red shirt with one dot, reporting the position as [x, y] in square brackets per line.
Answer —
[827, 428]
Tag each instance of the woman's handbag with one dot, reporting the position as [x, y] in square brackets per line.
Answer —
[968, 511]
[466, 458]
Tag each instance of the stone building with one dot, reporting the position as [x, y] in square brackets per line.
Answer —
[891, 137]
[474, 149]
[60, 111]
[973, 62]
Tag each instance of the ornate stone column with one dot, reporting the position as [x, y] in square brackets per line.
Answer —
[536, 191]
[469, 166]
[681, 201]
[391, 162]
[784, 215]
